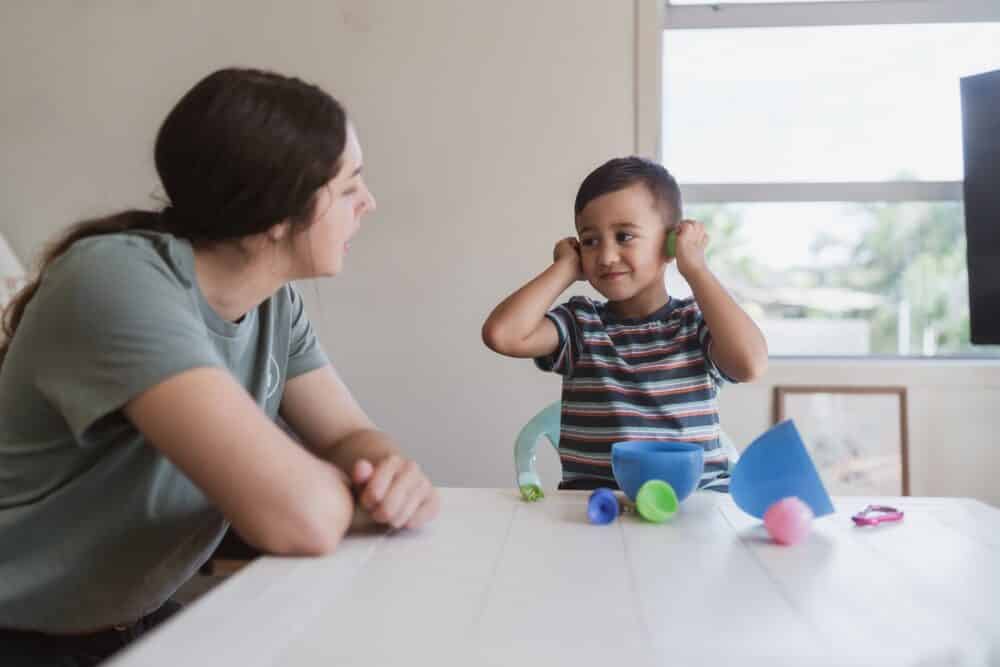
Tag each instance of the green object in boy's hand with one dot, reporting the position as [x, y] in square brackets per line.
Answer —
[672, 243]
[531, 492]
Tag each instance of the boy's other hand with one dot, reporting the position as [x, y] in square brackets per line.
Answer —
[568, 250]
[395, 491]
[692, 239]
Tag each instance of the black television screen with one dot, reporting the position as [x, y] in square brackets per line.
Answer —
[981, 149]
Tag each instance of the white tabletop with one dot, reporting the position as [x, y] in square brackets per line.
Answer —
[496, 581]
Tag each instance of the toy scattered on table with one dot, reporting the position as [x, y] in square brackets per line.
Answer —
[545, 423]
[775, 466]
[656, 501]
[679, 464]
[602, 506]
[642, 470]
[788, 521]
[873, 515]
[774, 473]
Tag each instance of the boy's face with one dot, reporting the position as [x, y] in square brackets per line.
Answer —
[622, 237]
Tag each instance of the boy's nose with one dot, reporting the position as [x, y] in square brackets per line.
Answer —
[608, 255]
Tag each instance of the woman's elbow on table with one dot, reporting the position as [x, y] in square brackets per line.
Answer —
[312, 525]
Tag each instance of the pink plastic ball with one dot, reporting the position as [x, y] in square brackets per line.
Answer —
[788, 521]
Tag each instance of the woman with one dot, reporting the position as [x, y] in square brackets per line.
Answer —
[144, 369]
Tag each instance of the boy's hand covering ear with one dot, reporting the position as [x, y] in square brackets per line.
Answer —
[692, 239]
[568, 250]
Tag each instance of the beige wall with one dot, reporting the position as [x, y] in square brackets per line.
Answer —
[478, 120]
[953, 416]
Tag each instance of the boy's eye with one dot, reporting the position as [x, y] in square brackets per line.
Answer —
[588, 242]
[624, 237]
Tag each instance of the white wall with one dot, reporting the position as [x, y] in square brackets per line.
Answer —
[478, 120]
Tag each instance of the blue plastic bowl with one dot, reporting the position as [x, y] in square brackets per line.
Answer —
[679, 464]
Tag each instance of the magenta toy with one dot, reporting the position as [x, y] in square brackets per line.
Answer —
[788, 521]
[873, 515]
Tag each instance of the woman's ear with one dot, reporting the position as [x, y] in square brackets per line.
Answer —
[279, 231]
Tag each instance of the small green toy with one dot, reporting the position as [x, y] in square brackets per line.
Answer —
[656, 501]
[672, 243]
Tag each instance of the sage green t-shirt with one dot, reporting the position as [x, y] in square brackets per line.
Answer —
[96, 527]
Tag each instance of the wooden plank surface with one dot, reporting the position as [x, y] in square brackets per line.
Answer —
[495, 581]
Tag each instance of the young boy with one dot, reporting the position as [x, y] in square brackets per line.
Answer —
[643, 365]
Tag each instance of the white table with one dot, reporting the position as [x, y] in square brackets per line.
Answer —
[496, 581]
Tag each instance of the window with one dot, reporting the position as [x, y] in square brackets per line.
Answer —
[820, 142]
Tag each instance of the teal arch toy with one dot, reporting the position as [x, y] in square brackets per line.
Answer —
[546, 423]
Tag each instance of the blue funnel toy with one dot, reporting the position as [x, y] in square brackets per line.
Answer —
[776, 465]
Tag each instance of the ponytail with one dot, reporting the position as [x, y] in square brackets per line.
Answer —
[114, 224]
[240, 152]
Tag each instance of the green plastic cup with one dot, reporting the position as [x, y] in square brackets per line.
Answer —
[656, 501]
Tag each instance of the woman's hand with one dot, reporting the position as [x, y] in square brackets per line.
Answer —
[395, 491]
[692, 239]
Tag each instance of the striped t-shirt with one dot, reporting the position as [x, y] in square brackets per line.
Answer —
[634, 379]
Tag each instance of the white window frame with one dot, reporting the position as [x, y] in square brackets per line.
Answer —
[808, 14]
[813, 14]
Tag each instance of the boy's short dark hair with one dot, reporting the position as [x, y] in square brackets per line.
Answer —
[622, 172]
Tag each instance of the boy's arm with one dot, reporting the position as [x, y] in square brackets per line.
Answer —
[738, 346]
[518, 326]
